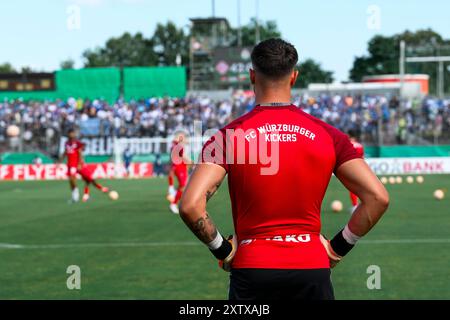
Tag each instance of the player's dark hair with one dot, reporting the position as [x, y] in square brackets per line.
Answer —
[71, 130]
[354, 133]
[274, 58]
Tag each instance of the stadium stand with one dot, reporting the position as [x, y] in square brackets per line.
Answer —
[410, 122]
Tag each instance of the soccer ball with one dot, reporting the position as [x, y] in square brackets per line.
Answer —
[170, 198]
[384, 180]
[439, 194]
[113, 195]
[410, 180]
[399, 180]
[13, 131]
[337, 206]
[392, 180]
[419, 179]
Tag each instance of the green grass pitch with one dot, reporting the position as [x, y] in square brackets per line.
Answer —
[134, 248]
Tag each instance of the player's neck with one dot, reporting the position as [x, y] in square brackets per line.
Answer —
[272, 96]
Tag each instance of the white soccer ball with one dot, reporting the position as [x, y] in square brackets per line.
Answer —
[170, 198]
[384, 180]
[13, 131]
[420, 179]
[410, 180]
[439, 194]
[113, 195]
[392, 180]
[399, 180]
[337, 206]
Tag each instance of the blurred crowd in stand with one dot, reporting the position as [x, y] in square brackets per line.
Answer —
[377, 118]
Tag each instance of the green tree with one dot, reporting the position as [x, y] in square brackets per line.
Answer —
[311, 71]
[169, 42]
[382, 59]
[267, 30]
[67, 64]
[383, 55]
[124, 51]
[7, 68]
[26, 69]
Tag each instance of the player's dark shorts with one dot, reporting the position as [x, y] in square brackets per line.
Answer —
[281, 284]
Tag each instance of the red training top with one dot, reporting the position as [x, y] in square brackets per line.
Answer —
[73, 149]
[358, 147]
[177, 156]
[279, 162]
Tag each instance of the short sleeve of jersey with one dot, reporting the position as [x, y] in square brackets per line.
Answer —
[344, 149]
[360, 149]
[214, 150]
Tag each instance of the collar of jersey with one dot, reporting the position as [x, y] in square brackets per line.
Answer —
[273, 107]
[275, 104]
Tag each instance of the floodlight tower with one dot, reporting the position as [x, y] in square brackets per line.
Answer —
[206, 35]
[440, 60]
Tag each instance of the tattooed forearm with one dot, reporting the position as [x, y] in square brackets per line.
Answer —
[203, 228]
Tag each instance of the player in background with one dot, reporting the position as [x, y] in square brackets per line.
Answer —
[73, 150]
[171, 191]
[278, 251]
[354, 137]
[158, 167]
[178, 169]
[127, 158]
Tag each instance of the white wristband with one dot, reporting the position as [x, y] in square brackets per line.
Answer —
[349, 236]
[216, 243]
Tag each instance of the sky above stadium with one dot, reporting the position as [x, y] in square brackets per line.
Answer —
[41, 33]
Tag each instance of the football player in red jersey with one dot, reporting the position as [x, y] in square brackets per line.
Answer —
[354, 136]
[279, 161]
[179, 169]
[73, 150]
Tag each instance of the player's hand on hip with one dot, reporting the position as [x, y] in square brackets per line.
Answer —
[226, 263]
[332, 255]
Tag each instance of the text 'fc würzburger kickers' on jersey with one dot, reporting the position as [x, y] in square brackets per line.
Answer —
[259, 145]
[272, 133]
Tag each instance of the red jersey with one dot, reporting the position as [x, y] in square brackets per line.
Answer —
[73, 150]
[358, 147]
[276, 199]
[177, 156]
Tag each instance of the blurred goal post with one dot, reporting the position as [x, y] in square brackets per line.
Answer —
[153, 146]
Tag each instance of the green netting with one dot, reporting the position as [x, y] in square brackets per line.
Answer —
[24, 158]
[165, 158]
[89, 83]
[415, 151]
[27, 158]
[407, 151]
[144, 82]
[370, 152]
[97, 159]
[92, 83]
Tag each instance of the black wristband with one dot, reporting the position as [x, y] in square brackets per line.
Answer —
[340, 245]
[223, 251]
